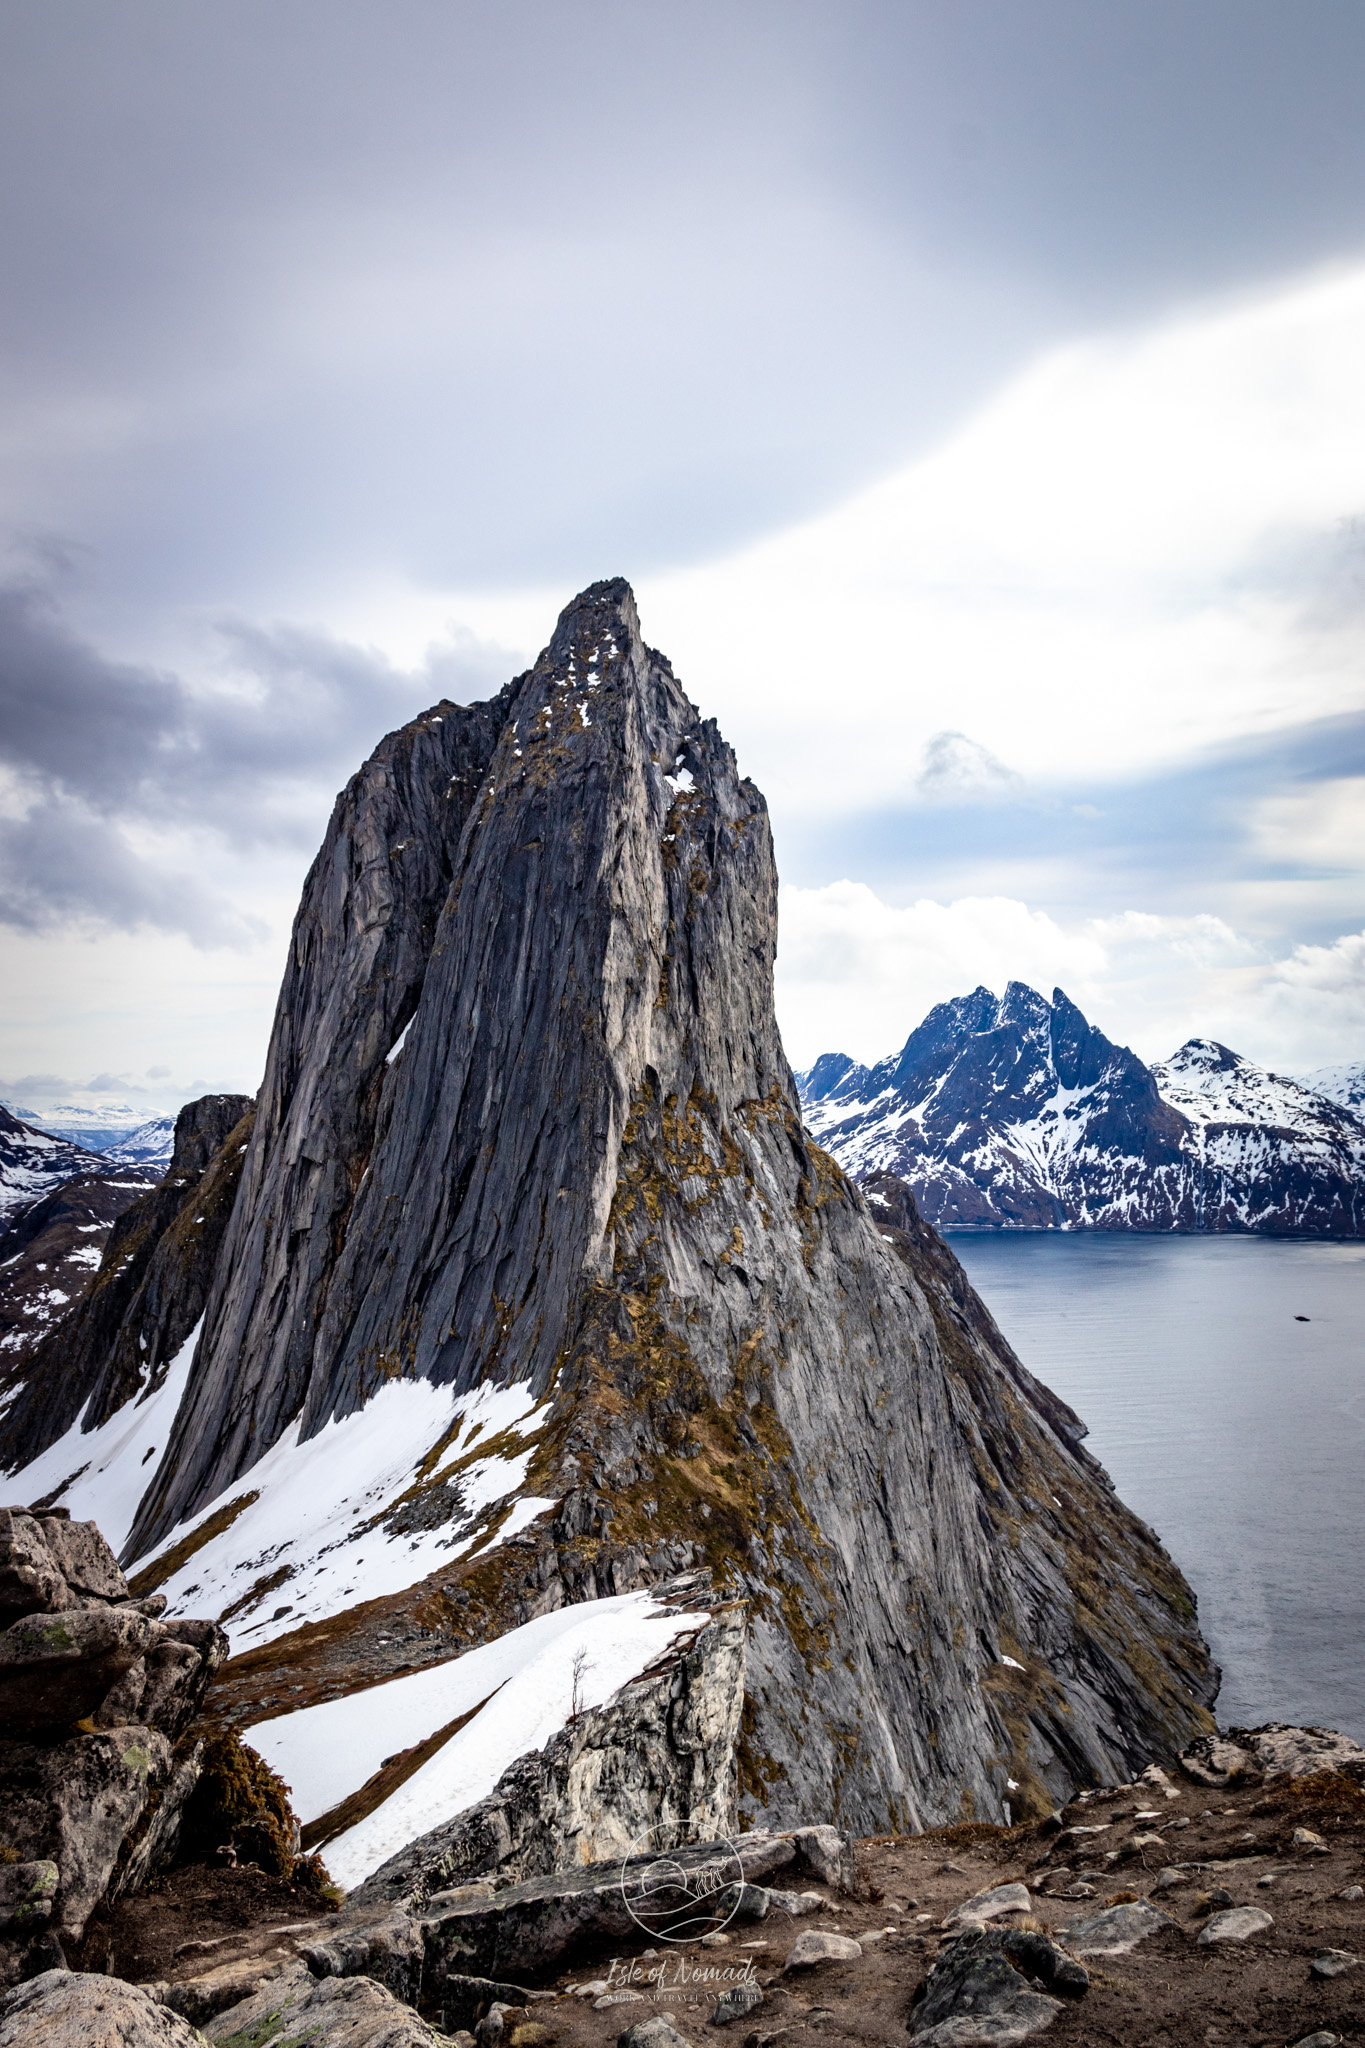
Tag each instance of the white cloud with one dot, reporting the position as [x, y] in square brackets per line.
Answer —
[1101, 573]
[856, 975]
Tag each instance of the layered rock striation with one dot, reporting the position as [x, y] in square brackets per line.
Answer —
[528, 1137]
[1013, 1112]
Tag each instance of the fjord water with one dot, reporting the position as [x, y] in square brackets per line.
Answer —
[1235, 1430]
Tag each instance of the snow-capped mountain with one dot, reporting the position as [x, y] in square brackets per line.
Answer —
[1012, 1111]
[1344, 1084]
[151, 1144]
[33, 1162]
[96, 1126]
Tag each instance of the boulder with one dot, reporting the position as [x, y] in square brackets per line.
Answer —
[1115, 1931]
[467, 1999]
[1237, 1924]
[1281, 1750]
[325, 2012]
[828, 1856]
[982, 1989]
[31, 1581]
[56, 1668]
[75, 1804]
[989, 1905]
[382, 1942]
[83, 1558]
[813, 1947]
[61, 2009]
[656, 2033]
[199, 1999]
[527, 1927]
[1334, 1962]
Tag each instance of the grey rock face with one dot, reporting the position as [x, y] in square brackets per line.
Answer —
[118, 1339]
[659, 1754]
[326, 2012]
[75, 1803]
[362, 944]
[526, 1928]
[585, 1170]
[1275, 1749]
[61, 2009]
[99, 1810]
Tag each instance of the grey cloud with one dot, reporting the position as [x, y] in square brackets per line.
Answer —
[515, 292]
[102, 752]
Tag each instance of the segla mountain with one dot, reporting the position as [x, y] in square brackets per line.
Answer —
[1012, 1112]
[536, 1298]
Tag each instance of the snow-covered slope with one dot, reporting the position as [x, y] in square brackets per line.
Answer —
[33, 1162]
[151, 1144]
[1017, 1112]
[1344, 1084]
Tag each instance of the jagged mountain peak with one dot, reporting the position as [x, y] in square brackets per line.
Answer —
[535, 1290]
[1012, 1111]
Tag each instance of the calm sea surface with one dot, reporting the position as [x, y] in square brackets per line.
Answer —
[1237, 1432]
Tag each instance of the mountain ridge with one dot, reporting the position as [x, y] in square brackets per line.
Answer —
[535, 1291]
[1012, 1112]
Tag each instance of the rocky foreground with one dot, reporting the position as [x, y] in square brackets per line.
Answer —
[1221, 1901]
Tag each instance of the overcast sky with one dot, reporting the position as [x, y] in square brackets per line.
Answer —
[974, 393]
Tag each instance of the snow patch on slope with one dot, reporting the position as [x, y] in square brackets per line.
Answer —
[314, 1541]
[527, 1679]
[102, 1474]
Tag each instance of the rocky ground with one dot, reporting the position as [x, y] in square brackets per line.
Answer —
[1292, 1850]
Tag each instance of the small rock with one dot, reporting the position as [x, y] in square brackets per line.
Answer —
[1304, 1838]
[1079, 1891]
[1352, 1892]
[815, 1946]
[736, 2003]
[1319, 2041]
[1115, 1931]
[1238, 1925]
[1002, 1898]
[715, 1940]
[1169, 1878]
[797, 1904]
[1334, 1962]
[1210, 1902]
[655, 2033]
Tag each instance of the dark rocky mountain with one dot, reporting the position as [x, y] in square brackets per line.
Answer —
[33, 1162]
[535, 1291]
[1012, 1112]
[51, 1252]
[147, 1294]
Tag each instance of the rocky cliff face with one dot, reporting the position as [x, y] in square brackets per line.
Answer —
[1014, 1112]
[51, 1253]
[95, 1689]
[534, 1276]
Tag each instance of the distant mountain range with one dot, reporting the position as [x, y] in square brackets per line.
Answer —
[1013, 1112]
[108, 1128]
